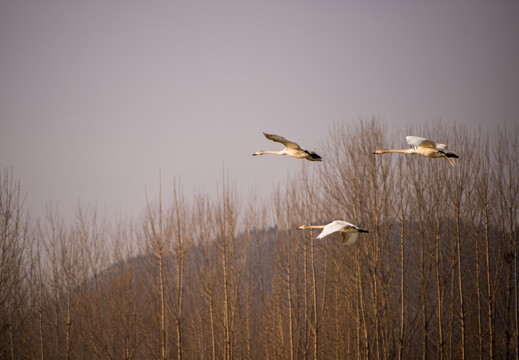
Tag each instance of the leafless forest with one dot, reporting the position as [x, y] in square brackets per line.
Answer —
[199, 277]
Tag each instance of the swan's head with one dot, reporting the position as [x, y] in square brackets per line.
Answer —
[259, 152]
[302, 227]
[379, 151]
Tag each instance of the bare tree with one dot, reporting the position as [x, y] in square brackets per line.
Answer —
[459, 194]
[40, 293]
[402, 212]
[204, 235]
[282, 216]
[507, 195]
[485, 197]
[157, 231]
[226, 217]
[181, 242]
[15, 243]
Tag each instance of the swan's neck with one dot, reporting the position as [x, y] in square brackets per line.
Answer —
[273, 152]
[403, 151]
[303, 227]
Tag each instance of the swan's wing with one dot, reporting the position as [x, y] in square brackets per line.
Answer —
[349, 238]
[420, 141]
[332, 227]
[282, 140]
[441, 146]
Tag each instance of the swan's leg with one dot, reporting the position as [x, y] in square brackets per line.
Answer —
[451, 160]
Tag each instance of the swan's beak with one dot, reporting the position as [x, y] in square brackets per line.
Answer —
[254, 154]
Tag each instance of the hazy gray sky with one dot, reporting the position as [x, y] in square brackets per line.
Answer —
[97, 96]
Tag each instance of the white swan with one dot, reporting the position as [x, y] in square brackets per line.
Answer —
[291, 149]
[349, 232]
[424, 147]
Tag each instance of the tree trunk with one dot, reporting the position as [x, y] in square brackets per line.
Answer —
[460, 284]
[314, 300]
[402, 292]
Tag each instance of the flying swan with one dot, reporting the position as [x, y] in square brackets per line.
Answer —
[291, 149]
[349, 232]
[424, 147]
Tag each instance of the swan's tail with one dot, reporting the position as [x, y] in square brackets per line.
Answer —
[313, 156]
[451, 155]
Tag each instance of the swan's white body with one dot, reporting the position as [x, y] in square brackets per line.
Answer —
[424, 147]
[291, 149]
[349, 232]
